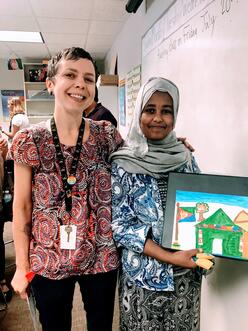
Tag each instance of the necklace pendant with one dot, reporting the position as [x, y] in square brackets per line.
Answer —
[71, 180]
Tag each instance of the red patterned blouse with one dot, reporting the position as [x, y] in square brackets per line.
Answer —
[91, 201]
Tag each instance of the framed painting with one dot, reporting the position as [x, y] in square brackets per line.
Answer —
[208, 212]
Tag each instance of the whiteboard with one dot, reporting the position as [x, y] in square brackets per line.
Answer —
[202, 45]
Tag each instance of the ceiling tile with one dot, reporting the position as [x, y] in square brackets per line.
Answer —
[97, 49]
[15, 8]
[113, 10]
[62, 25]
[99, 41]
[56, 38]
[21, 23]
[76, 9]
[91, 24]
[31, 50]
[104, 27]
[55, 48]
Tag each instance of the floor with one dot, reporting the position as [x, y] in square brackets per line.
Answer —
[17, 317]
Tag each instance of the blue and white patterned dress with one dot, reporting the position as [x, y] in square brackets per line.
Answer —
[138, 203]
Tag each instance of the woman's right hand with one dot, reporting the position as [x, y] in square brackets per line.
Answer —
[180, 258]
[185, 258]
[20, 283]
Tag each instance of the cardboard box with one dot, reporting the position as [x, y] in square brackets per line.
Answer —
[108, 80]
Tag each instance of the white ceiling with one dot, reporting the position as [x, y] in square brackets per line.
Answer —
[91, 24]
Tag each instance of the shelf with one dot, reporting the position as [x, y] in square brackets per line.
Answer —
[39, 104]
[40, 116]
[35, 83]
[38, 119]
[39, 100]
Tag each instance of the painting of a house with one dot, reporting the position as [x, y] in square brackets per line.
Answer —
[211, 222]
[242, 220]
[208, 212]
[219, 235]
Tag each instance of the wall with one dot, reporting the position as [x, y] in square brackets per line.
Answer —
[10, 79]
[108, 97]
[225, 291]
[129, 40]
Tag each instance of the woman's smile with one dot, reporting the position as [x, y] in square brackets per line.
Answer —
[74, 85]
[77, 97]
[157, 118]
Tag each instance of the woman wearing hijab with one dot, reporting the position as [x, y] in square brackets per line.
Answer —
[159, 289]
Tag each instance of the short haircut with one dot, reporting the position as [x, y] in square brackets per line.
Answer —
[72, 53]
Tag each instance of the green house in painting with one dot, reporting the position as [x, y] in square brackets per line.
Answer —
[219, 235]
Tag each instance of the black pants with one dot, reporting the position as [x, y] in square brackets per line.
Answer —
[2, 251]
[54, 300]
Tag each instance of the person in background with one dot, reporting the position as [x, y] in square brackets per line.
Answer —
[159, 289]
[6, 291]
[18, 117]
[62, 202]
[97, 112]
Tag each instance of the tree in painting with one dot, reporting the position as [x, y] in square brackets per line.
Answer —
[201, 208]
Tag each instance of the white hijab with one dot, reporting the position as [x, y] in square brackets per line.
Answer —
[143, 156]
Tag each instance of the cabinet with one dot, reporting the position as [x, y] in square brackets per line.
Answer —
[38, 103]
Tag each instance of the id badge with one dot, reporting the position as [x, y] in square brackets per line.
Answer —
[68, 235]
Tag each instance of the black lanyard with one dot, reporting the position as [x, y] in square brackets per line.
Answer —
[68, 180]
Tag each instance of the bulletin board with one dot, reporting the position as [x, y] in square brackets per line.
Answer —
[122, 102]
[133, 82]
[202, 46]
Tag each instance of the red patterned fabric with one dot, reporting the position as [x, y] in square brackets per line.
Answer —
[91, 201]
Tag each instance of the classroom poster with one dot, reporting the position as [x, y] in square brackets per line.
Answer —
[6, 95]
[133, 83]
[15, 64]
[122, 103]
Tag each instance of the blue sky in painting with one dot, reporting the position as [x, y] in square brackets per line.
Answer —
[232, 200]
